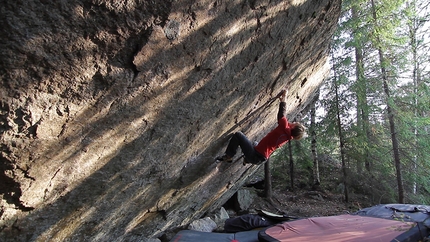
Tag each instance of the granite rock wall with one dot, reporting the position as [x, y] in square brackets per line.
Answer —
[112, 111]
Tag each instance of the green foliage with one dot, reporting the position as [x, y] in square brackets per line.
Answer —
[364, 30]
[397, 28]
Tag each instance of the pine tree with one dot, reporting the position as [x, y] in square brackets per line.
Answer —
[415, 108]
[315, 168]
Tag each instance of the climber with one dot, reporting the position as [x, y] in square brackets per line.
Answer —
[284, 132]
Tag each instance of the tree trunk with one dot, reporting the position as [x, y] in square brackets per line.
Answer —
[395, 142]
[341, 141]
[362, 105]
[415, 77]
[290, 153]
[342, 149]
[413, 25]
[267, 181]
[390, 114]
[315, 170]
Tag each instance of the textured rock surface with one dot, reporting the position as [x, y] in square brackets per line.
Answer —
[204, 225]
[112, 111]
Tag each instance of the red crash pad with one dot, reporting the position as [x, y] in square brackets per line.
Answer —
[336, 228]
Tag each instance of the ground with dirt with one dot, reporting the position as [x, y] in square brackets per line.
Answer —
[307, 203]
[303, 201]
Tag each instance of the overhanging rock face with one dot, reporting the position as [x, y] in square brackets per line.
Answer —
[112, 111]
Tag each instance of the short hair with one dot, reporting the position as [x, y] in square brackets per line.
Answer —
[298, 132]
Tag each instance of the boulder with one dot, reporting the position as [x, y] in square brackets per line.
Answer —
[112, 111]
[204, 225]
[220, 217]
[244, 199]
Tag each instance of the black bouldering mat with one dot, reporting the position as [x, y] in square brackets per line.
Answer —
[197, 236]
[404, 212]
[246, 222]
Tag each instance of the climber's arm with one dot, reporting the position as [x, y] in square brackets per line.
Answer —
[282, 105]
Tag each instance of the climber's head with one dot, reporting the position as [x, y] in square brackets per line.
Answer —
[298, 131]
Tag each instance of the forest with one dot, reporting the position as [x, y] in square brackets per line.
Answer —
[371, 118]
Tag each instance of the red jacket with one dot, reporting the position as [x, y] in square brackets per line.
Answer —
[278, 136]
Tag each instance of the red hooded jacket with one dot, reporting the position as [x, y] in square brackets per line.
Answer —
[278, 136]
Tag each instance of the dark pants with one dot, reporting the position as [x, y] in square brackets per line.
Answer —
[247, 147]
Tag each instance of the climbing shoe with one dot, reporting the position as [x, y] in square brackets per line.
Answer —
[225, 158]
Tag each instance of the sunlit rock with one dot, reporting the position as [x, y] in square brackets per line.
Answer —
[112, 111]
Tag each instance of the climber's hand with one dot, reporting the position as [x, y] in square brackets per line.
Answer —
[283, 95]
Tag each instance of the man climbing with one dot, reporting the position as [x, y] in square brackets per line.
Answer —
[276, 138]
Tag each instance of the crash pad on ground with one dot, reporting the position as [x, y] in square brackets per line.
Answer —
[338, 228]
[197, 236]
[404, 212]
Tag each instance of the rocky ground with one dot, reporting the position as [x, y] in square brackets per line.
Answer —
[327, 199]
[307, 203]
